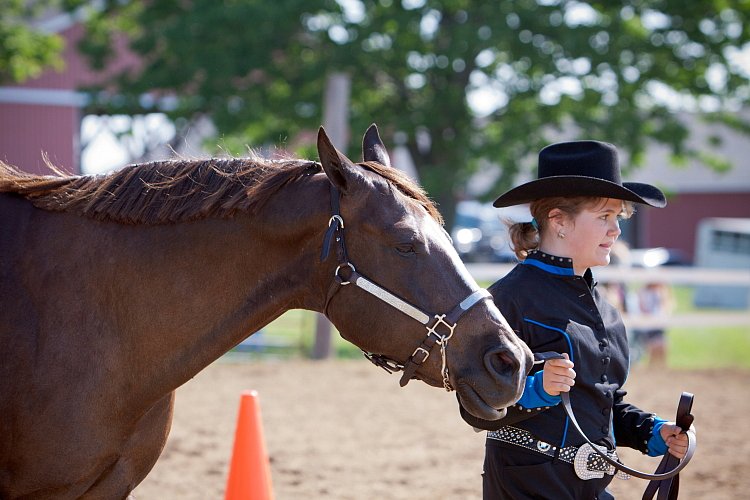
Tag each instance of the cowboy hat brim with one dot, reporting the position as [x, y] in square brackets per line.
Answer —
[577, 185]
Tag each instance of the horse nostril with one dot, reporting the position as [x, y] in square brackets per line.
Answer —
[501, 362]
[508, 359]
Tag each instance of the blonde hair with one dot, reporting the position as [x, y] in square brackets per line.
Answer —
[524, 236]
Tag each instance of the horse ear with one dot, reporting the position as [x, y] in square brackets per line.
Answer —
[373, 148]
[341, 171]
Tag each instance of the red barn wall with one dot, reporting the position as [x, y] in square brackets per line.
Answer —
[676, 226]
[43, 115]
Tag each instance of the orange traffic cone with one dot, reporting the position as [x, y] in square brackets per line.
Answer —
[249, 470]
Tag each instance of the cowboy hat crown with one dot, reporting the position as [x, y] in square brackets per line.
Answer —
[581, 168]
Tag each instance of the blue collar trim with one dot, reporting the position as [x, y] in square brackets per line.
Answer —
[562, 271]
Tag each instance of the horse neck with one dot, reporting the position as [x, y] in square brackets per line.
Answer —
[217, 281]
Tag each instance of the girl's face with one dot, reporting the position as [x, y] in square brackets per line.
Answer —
[590, 235]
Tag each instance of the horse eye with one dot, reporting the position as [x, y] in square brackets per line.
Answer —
[406, 249]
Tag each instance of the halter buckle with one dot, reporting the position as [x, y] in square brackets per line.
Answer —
[426, 354]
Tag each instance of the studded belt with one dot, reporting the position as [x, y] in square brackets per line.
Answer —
[585, 461]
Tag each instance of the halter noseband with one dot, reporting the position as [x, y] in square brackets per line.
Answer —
[431, 322]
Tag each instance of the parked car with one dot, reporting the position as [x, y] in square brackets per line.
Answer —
[480, 233]
[658, 256]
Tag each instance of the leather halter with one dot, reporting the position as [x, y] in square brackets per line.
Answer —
[446, 322]
[684, 420]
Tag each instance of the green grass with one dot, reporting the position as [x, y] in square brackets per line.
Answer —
[688, 347]
[705, 347]
[683, 297]
[293, 334]
[719, 347]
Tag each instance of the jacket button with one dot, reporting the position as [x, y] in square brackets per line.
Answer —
[605, 429]
[605, 411]
[600, 326]
[603, 343]
[605, 360]
[604, 378]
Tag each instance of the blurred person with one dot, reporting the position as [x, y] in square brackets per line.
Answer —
[654, 299]
[553, 304]
[616, 292]
[625, 299]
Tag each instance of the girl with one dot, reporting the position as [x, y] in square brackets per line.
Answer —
[552, 302]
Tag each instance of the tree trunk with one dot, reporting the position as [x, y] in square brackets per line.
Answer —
[336, 123]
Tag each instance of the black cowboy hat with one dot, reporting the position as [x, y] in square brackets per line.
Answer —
[581, 168]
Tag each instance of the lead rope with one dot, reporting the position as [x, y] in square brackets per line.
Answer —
[668, 489]
[565, 397]
[684, 406]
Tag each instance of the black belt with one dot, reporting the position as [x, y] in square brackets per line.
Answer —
[587, 463]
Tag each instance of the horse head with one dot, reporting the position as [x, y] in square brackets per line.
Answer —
[400, 292]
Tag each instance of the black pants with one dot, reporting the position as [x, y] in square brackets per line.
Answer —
[513, 473]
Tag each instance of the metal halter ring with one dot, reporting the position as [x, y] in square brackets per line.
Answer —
[336, 272]
[338, 218]
[432, 330]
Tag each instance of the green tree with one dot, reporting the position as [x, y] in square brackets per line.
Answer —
[466, 83]
[25, 51]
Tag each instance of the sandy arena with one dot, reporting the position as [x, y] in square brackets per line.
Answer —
[345, 430]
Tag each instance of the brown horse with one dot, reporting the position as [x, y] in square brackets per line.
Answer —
[117, 289]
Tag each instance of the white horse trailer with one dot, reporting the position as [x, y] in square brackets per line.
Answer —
[723, 243]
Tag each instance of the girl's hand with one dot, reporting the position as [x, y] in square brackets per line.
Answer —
[676, 442]
[559, 376]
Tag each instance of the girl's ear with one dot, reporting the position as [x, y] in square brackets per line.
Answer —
[557, 220]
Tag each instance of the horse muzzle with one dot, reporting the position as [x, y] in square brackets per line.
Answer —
[486, 393]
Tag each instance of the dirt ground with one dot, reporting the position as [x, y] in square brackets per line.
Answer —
[345, 430]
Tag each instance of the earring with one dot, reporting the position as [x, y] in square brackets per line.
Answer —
[561, 235]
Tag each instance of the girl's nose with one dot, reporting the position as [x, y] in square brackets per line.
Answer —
[615, 228]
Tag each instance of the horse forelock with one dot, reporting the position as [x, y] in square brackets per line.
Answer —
[406, 186]
[178, 190]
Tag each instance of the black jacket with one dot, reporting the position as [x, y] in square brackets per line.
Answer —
[551, 309]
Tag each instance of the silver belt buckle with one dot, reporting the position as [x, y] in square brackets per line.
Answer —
[589, 465]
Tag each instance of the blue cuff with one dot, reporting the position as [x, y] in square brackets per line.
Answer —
[534, 395]
[656, 445]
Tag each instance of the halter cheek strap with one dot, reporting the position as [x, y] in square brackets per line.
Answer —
[346, 274]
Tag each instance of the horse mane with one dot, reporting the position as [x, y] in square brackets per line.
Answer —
[178, 190]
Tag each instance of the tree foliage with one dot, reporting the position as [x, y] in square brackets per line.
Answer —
[461, 83]
[25, 51]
